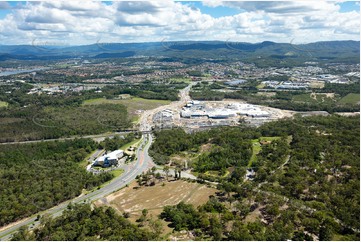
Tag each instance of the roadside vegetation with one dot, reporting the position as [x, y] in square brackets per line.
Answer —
[81, 222]
[118, 142]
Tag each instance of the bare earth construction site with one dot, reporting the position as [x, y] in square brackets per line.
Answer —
[193, 114]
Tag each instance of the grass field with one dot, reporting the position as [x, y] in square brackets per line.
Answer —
[261, 85]
[126, 146]
[134, 105]
[351, 98]
[117, 172]
[3, 104]
[256, 147]
[315, 98]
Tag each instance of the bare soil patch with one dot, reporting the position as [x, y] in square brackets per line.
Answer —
[154, 198]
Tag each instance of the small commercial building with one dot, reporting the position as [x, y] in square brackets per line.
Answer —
[110, 159]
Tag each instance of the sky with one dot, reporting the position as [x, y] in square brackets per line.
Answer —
[87, 22]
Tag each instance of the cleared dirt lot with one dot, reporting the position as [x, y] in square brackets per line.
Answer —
[154, 198]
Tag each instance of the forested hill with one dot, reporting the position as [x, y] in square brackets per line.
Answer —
[327, 51]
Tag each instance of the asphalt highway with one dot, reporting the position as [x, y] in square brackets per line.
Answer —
[97, 137]
[142, 164]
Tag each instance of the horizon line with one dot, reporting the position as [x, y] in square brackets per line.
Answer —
[58, 44]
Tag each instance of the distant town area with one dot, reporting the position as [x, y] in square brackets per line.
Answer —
[218, 94]
[80, 75]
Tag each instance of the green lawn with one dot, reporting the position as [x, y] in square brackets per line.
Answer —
[351, 98]
[256, 147]
[126, 146]
[3, 104]
[261, 85]
[212, 173]
[117, 172]
[135, 119]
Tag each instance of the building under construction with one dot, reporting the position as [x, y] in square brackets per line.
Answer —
[196, 109]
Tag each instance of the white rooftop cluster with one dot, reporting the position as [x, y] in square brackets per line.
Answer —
[222, 113]
[195, 109]
[248, 109]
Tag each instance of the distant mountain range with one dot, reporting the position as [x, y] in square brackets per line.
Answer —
[327, 51]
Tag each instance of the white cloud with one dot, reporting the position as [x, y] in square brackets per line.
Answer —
[86, 22]
[303, 20]
[284, 7]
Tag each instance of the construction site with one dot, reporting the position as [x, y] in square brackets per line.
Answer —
[201, 114]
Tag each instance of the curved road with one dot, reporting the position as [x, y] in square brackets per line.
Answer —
[143, 163]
